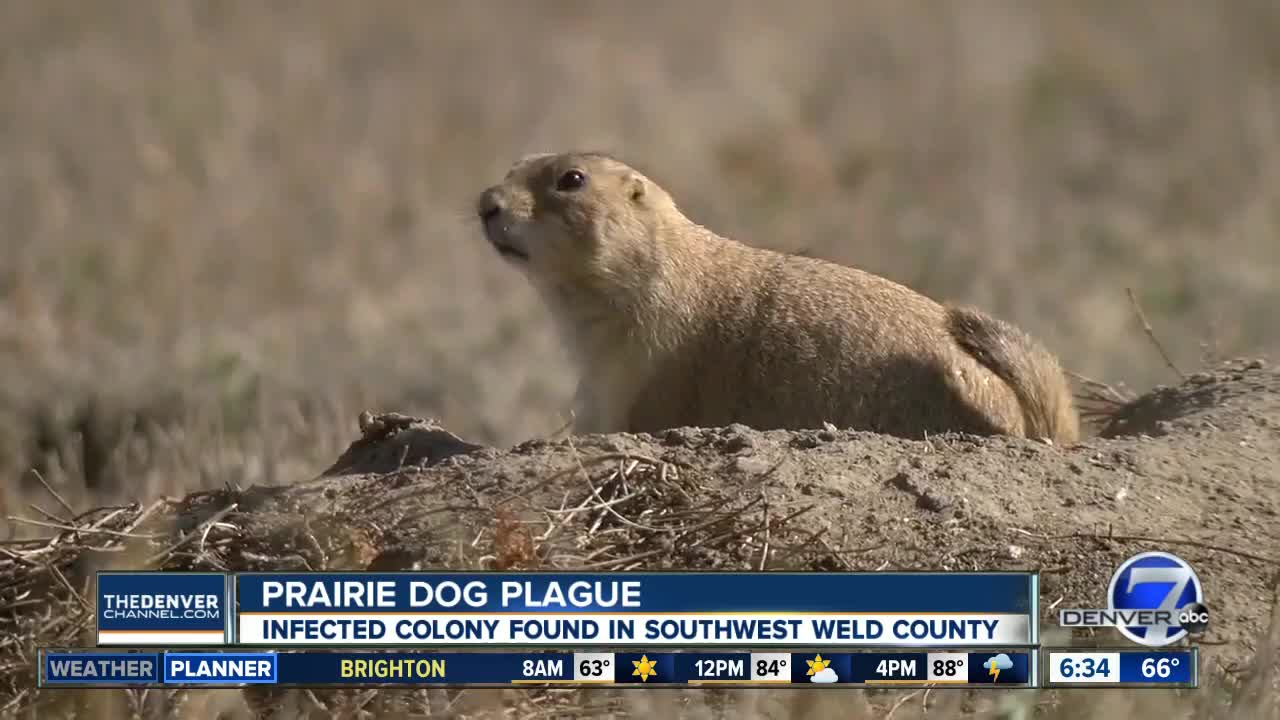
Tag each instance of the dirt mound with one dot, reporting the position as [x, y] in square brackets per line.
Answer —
[1193, 469]
[1236, 394]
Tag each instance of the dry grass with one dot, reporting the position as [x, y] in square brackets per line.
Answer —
[227, 226]
[224, 217]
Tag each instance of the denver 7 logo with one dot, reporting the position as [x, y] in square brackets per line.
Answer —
[1156, 581]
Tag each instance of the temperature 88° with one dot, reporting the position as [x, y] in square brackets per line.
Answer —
[950, 666]
[947, 668]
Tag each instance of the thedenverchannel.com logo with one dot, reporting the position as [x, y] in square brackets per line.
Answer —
[1155, 599]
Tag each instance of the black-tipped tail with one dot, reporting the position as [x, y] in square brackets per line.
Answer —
[1031, 371]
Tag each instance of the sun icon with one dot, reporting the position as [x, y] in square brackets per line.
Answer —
[817, 665]
[645, 668]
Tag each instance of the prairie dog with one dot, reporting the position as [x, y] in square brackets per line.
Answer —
[673, 325]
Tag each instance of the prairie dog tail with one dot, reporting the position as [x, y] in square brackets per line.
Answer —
[1031, 371]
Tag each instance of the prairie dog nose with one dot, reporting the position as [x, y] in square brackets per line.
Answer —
[490, 203]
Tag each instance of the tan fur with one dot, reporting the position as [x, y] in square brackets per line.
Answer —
[674, 325]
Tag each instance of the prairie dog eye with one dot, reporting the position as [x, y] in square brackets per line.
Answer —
[571, 180]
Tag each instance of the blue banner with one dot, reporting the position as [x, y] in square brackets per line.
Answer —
[162, 608]
[634, 592]
[1158, 668]
[220, 668]
[410, 668]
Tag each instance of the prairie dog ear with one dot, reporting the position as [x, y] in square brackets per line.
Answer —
[637, 187]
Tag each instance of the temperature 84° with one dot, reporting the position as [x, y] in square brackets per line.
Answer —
[771, 667]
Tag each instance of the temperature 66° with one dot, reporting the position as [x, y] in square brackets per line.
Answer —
[1161, 668]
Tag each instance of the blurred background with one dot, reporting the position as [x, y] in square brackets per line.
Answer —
[226, 227]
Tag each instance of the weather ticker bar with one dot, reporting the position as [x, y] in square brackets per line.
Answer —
[312, 668]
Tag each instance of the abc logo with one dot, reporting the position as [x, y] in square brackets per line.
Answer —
[1162, 582]
[1194, 618]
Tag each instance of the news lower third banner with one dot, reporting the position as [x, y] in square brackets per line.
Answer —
[568, 609]
[637, 609]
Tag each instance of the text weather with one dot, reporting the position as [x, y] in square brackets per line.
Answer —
[75, 668]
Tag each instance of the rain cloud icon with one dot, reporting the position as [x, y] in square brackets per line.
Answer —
[996, 664]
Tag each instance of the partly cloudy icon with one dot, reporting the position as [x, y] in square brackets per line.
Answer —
[825, 675]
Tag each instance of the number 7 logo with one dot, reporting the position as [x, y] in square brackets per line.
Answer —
[1156, 581]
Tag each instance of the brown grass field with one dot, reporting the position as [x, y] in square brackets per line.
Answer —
[228, 226]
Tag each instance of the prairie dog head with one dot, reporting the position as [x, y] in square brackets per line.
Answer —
[577, 221]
